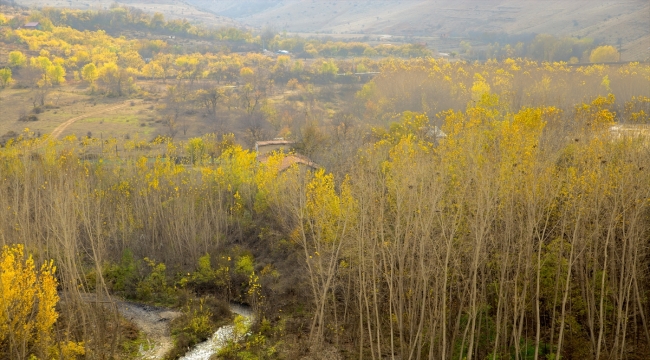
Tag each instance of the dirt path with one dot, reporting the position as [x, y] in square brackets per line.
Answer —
[59, 129]
[154, 322]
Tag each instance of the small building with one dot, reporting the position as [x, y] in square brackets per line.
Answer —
[269, 146]
[34, 25]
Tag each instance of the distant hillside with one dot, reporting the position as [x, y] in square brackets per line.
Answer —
[172, 9]
[624, 23]
[606, 21]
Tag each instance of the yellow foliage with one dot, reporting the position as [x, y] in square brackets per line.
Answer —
[479, 88]
[68, 350]
[606, 53]
[246, 72]
[328, 211]
[27, 304]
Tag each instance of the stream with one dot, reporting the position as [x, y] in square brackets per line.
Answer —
[204, 350]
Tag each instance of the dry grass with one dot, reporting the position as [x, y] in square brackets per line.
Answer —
[70, 101]
[94, 114]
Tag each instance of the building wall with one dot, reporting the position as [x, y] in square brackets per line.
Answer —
[266, 149]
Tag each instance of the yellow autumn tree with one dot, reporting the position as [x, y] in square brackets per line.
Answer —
[325, 220]
[17, 59]
[479, 88]
[246, 73]
[89, 73]
[27, 301]
[606, 53]
[5, 77]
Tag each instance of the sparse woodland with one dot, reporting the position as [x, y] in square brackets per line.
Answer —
[463, 210]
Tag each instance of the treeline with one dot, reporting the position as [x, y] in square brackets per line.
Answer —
[118, 19]
[234, 90]
[541, 47]
[312, 48]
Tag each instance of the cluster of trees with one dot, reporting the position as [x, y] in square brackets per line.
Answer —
[506, 240]
[432, 86]
[542, 47]
[234, 91]
[119, 19]
[74, 49]
[113, 214]
[521, 232]
[113, 66]
[310, 48]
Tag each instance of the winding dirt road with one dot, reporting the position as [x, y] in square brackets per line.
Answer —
[59, 129]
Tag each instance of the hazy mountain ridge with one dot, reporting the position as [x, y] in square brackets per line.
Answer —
[612, 22]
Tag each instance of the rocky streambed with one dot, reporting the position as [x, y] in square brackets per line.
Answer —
[220, 338]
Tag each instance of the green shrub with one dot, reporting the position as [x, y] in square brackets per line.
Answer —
[244, 265]
[154, 287]
[122, 278]
[207, 279]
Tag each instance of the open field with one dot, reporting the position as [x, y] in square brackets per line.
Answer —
[96, 115]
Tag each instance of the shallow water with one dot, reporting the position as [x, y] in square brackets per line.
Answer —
[220, 338]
